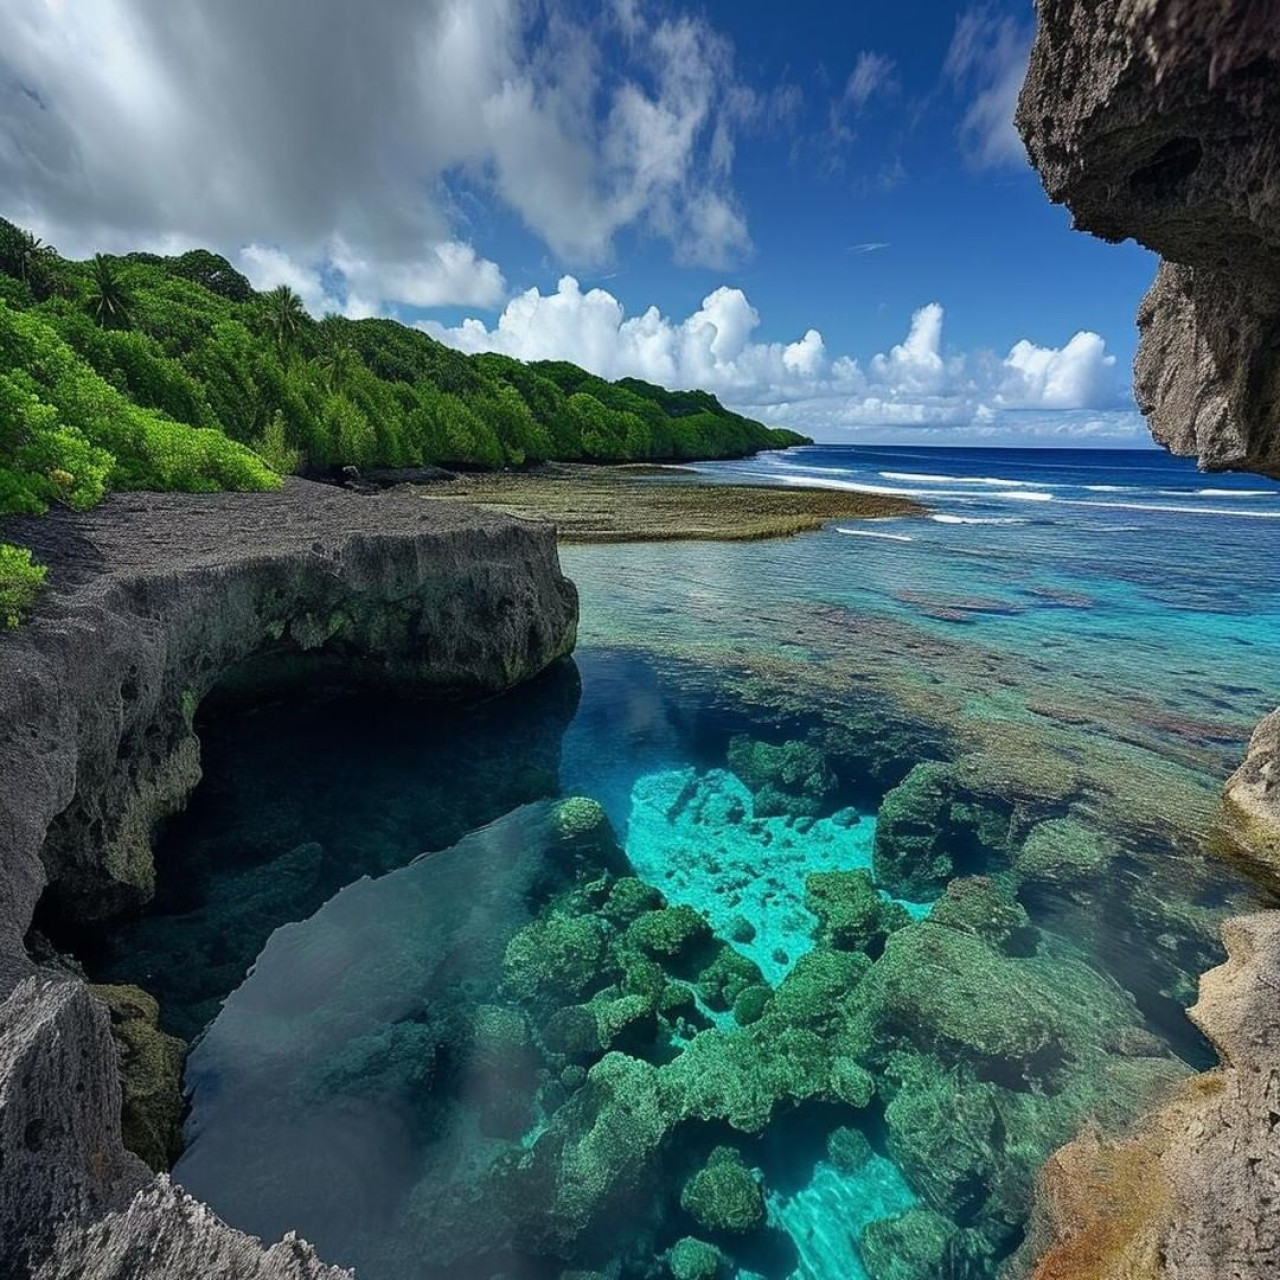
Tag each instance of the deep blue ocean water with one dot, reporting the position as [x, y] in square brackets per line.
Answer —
[1117, 610]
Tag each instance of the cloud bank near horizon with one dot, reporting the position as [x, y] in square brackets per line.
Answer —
[918, 385]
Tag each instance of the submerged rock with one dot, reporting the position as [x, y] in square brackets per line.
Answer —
[724, 1195]
[790, 778]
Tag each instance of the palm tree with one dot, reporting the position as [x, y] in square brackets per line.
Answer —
[285, 317]
[110, 302]
[336, 363]
[33, 254]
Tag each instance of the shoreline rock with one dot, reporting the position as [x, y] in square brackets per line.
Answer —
[1156, 120]
[152, 601]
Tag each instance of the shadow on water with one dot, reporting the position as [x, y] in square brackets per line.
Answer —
[300, 798]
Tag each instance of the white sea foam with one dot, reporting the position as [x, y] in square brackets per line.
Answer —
[1016, 495]
[1177, 510]
[931, 479]
[1110, 488]
[872, 533]
[942, 518]
[1234, 493]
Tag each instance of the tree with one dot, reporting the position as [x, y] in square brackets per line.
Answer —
[33, 257]
[110, 299]
[285, 318]
[336, 364]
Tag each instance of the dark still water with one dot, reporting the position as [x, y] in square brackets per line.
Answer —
[783, 934]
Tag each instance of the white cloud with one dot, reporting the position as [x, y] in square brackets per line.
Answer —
[196, 122]
[988, 59]
[917, 383]
[872, 73]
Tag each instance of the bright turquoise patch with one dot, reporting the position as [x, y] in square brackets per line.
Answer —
[696, 837]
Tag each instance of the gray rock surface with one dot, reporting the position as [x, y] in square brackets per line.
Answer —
[1159, 120]
[152, 601]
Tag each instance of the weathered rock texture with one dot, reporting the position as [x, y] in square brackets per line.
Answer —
[1160, 120]
[152, 601]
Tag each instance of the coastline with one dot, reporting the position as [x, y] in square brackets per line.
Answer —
[595, 504]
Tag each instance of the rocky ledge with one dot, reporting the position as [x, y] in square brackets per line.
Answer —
[154, 601]
[1160, 120]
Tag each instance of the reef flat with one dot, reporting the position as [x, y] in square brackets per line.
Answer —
[662, 504]
[153, 601]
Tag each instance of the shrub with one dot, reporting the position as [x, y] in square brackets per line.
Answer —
[20, 582]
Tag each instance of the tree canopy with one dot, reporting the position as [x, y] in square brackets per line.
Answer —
[154, 372]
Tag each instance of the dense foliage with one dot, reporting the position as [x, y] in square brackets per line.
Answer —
[173, 373]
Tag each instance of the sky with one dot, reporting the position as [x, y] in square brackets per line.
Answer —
[819, 212]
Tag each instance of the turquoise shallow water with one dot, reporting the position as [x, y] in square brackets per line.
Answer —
[397, 1062]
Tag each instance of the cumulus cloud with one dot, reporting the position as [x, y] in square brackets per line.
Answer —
[340, 138]
[918, 382]
[988, 60]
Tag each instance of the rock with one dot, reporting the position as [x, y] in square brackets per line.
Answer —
[150, 1075]
[1157, 121]
[692, 1259]
[724, 1196]
[153, 601]
[911, 856]
[1194, 1184]
[913, 1246]
[791, 778]
[851, 914]
[1249, 824]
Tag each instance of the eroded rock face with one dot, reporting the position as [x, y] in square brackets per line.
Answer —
[152, 601]
[1160, 120]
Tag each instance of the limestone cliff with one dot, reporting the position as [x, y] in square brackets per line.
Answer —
[152, 601]
[1160, 120]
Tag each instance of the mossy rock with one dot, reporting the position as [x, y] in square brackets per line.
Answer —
[628, 1022]
[814, 995]
[848, 1149]
[750, 1004]
[670, 934]
[151, 1064]
[1064, 851]
[558, 955]
[629, 898]
[913, 1246]
[691, 1259]
[580, 816]
[724, 1196]
[977, 905]
[500, 1036]
[573, 1032]
[789, 779]
[911, 857]
[852, 914]
[727, 977]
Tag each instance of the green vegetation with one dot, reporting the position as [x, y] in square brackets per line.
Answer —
[172, 373]
[19, 583]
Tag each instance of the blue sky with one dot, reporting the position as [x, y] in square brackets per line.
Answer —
[824, 206]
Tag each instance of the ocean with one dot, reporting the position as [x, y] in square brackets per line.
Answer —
[428, 1032]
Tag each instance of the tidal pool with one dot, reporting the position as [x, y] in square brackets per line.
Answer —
[783, 934]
